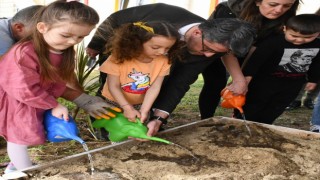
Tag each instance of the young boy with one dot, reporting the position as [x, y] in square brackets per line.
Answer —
[280, 66]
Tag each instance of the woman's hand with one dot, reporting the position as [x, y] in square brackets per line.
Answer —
[95, 106]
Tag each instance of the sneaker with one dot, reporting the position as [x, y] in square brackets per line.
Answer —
[308, 104]
[294, 105]
[15, 175]
[315, 128]
[10, 168]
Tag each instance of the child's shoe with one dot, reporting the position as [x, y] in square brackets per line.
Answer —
[315, 128]
[308, 103]
[294, 105]
[10, 168]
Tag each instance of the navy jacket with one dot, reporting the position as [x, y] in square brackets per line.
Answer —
[183, 73]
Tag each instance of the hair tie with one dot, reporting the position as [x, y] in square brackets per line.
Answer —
[142, 25]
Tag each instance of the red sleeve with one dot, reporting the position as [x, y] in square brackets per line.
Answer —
[21, 79]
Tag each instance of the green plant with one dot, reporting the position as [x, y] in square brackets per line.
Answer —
[83, 72]
[4, 159]
[189, 102]
[87, 80]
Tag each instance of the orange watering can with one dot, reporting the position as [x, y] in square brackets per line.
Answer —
[232, 101]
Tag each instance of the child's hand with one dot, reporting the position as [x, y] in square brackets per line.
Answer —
[144, 116]
[60, 112]
[310, 86]
[130, 113]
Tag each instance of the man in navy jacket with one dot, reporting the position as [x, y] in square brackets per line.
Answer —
[206, 41]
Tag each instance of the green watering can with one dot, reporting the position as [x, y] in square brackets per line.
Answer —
[120, 128]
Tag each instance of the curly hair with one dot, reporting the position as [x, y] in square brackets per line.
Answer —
[127, 41]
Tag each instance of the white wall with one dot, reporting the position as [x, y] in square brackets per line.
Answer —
[199, 7]
[309, 6]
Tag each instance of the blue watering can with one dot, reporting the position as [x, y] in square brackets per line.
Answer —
[59, 130]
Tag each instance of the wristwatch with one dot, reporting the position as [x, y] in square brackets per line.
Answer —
[163, 120]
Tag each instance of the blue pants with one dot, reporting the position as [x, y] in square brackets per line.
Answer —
[315, 119]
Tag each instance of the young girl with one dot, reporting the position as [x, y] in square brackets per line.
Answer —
[140, 60]
[37, 69]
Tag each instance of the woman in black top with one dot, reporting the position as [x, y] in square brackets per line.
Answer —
[267, 16]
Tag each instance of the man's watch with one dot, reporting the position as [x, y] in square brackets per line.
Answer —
[163, 120]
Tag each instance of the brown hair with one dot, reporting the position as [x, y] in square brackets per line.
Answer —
[127, 42]
[304, 23]
[251, 14]
[318, 12]
[59, 11]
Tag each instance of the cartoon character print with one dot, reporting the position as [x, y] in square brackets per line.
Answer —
[140, 85]
[297, 60]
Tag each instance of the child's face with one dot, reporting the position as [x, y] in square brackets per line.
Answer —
[297, 38]
[157, 46]
[63, 35]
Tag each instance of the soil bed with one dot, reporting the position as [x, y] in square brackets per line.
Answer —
[223, 149]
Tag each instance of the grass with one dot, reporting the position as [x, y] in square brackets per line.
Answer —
[189, 103]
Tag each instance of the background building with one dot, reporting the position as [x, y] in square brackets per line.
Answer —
[202, 8]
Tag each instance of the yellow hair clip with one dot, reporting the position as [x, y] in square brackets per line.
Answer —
[142, 25]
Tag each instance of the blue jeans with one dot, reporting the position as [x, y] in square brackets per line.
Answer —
[315, 119]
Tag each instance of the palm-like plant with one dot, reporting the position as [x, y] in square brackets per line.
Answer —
[86, 79]
[83, 72]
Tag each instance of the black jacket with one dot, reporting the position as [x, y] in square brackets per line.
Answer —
[182, 74]
[175, 15]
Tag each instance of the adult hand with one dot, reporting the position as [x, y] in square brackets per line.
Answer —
[95, 106]
[238, 87]
[60, 112]
[91, 52]
[153, 127]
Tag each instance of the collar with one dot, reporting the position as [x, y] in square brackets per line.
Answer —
[185, 29]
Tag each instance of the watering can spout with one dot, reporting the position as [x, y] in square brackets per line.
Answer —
[76, 138]
[234, 101]
[120, 128]
[158, 139]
